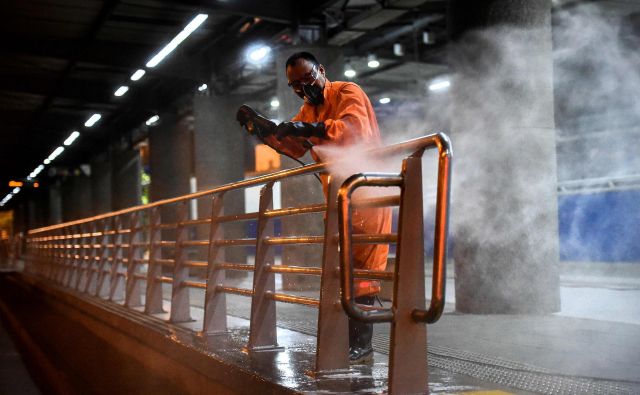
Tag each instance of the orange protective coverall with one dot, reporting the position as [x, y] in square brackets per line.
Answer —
[349, 119]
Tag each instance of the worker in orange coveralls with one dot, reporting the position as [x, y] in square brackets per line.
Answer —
[334, 114]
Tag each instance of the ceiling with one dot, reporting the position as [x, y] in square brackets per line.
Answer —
[61, 60]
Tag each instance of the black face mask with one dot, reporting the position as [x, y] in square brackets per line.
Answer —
[313, 94]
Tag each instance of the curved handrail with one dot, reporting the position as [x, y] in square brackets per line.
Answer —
[436, 307]
[406, 146]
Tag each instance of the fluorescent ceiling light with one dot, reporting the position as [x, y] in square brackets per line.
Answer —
[121, 91]
[438, 86]
[152, 120]
[258, 54]
[372, 61]
[275, 103]
[16, 190]
[385, 100]
[202, 88]
[6, 199]
[398, 50]
[92, 120]
[72, 137]
[53, 155]
[173, 44]
[137, 75]
[349, 72]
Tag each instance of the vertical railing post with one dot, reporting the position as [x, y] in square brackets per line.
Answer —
[332, 347]
[153, 300]
[72, 262]
[114, 277]
[56, 264]
[104, 258]
[262, 333]
[215, 303]
[85, 264]
[133, 296]
[179, 292]
[93, 263]
[408, 352]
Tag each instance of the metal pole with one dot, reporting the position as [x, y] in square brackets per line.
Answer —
[262, 334]
[332, 350]
[408, 352]
[133, 296]
[114, 278]
[215, 302]
[153, 300]
[179, 292]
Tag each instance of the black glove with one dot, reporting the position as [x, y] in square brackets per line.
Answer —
[254, 122]
[301, 129]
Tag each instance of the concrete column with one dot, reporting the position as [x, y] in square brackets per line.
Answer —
[55, 204]
[219, 154]
[37, 206]
[76, 197]
[101, 184]
[170, 159]
[504, 213]
[126, 173]
[302, 190]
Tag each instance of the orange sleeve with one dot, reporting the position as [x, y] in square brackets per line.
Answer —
[291, 146]
[350, 114]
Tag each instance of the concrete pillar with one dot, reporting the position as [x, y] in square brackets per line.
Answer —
[55, 203]
[101, 185]
[126, 173]
[302, 190]
[76, 197]
[37, 207]
[219, 153]
[170, 164]
[504, 213]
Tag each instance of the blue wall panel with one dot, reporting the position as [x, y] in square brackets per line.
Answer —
[602, 227]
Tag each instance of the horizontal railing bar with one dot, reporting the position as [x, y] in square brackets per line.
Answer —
[194, 284]
[234, 290]
[233, 266]
[384, 201]
[164, 243]
[167, 262]
[139, 276]
[195, 243]
[294, 240]
[195, 263]
[192, 222]
[164, 279]
[313, 208]
[167, 225]
[375, 238]
[293, 299]
[414, 145]
[316, 271]
[371, 275]
[236, 217]
[234, 242]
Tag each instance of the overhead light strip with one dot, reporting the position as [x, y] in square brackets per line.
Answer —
[154, 61]
[173, 44]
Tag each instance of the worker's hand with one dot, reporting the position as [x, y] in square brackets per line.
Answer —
[300, 129]
[254, 122]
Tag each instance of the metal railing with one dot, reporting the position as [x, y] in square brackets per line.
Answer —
[127, 256]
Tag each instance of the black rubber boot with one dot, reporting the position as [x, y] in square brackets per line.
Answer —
[360, 334]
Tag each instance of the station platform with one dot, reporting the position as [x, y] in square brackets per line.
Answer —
[563, 353]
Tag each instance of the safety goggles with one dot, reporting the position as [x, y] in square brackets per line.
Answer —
[309, 79]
